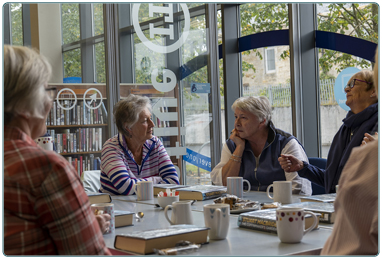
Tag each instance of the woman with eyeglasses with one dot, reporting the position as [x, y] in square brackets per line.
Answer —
[361, 120]
[46, 210]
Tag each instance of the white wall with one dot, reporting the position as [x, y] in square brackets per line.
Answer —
[49, 25]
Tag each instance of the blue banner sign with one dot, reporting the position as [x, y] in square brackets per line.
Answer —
[197, 159]
[200, 88]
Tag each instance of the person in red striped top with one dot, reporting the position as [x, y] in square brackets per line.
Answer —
[46, 210]
[134, 154]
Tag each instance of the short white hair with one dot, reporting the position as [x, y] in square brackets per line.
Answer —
[26, 73]
[126, 111]
[257, 105]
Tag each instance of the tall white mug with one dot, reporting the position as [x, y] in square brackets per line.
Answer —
[181, 213]
[290, 224]
[216, 217]
[282, 192]
[235, 186]
[144, 190]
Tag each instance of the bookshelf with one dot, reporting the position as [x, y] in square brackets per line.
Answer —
[79, 129]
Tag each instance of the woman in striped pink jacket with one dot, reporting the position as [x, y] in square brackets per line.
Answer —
[134, 154]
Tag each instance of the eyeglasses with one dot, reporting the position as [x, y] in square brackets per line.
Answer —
[352, 83]
[52, 92]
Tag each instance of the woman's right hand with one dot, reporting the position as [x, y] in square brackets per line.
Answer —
[289, 163]
[236, 139]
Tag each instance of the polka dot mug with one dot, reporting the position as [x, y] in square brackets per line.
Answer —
[45, 142]
[290, 224]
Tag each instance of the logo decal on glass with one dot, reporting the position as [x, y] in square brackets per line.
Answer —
[66, 100]
[168, 18]
[93, 98]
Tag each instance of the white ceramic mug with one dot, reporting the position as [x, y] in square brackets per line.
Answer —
[144, 190]
[235, 186]
[45, 142]
[101, 208]
[290, 224]
[282, 192]
[181, 213]
[216, 217]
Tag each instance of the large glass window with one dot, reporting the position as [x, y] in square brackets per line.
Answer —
[93, 70]
[266, 71]
[100, 62]
[72, 63]
[356, 20]
[196, 104]
[98, 19]
[70, 23]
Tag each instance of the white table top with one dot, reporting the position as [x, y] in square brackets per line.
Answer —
[240, 241]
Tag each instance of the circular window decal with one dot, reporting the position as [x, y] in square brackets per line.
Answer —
[159, 48]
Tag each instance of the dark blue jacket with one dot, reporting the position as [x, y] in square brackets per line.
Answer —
[349, 135]
[268, 169]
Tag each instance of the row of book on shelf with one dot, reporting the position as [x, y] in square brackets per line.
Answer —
[77, 140]
[84, 163]
[80, 114]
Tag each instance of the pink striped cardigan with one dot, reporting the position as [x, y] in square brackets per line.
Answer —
[119, 171]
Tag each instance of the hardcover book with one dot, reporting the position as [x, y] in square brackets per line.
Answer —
[144, 242]
[326, 209]
[123, 218]
[328, 197]
[201, 192]
[265, 220]
[162, 187]
[95, 197]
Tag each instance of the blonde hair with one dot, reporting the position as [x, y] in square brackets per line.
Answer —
[257, 105]
[25, 74]
[126, 111]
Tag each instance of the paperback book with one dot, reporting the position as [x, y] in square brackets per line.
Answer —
[201, 192]
[326, 209]
[328, 197]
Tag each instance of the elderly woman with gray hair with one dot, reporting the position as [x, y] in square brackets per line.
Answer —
[254, 146]
[46, 210]
[134, 154]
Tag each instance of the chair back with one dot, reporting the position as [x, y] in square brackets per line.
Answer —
[320, 163]
[91, 180]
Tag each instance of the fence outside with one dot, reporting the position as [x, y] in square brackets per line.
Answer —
[280, 95]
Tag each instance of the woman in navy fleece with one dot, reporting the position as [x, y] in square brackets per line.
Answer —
[362, 118]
